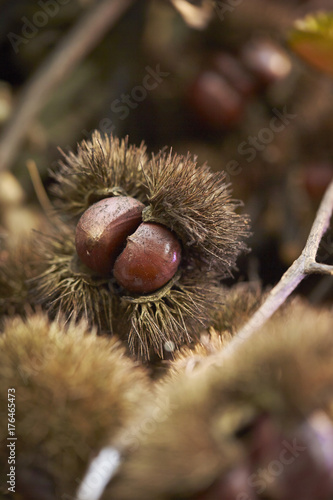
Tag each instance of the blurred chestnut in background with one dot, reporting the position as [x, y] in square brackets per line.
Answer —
[280, 466]
[215, 101]
[317, 177]
[234, 72]
[221, 91]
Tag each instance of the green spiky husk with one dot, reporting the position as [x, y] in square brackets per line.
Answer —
[192, 201]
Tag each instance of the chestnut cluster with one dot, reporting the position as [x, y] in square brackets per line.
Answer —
[221, 91]
[111, 237]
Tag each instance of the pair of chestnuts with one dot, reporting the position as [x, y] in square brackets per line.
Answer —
[112, 239]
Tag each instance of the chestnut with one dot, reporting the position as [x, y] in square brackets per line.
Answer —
[149, 260]
[111, 237]
[234, 72]
[102, 230]
[316, 178]
[215, 101]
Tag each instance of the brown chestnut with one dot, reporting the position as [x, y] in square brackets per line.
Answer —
[215, 101]
[110, 236]
[102, 231]
[234, 72]
[317, 176]
[149, 260]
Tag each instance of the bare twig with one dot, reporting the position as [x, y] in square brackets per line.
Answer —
[100, 471]
[39, 188]
[304, 265]
[83, 37]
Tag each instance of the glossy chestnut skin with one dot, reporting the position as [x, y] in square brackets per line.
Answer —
[149, 260]
[102, 231]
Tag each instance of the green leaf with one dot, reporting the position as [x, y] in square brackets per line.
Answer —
[312, 39]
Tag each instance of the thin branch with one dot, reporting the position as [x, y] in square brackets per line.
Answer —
[100, 471]
[82, 38]
[316, 268]
[304, 265]
[39, 188]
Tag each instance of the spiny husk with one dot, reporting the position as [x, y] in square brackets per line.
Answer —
[177, 314]
[240, 302]
[189, 357]
[102, 167]
[73, 392]
[17, 266]
[196, 203]
[286, 372]
[67, 286]
[175, 317]
[190, 200]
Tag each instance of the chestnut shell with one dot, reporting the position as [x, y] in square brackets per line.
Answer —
[149, 260]
[102, 230]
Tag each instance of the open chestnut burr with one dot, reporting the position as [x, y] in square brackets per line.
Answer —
[141, 246]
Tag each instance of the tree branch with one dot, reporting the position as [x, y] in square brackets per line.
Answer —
[83, 37]
[304, 265]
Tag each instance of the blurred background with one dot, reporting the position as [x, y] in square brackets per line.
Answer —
[216, 79]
